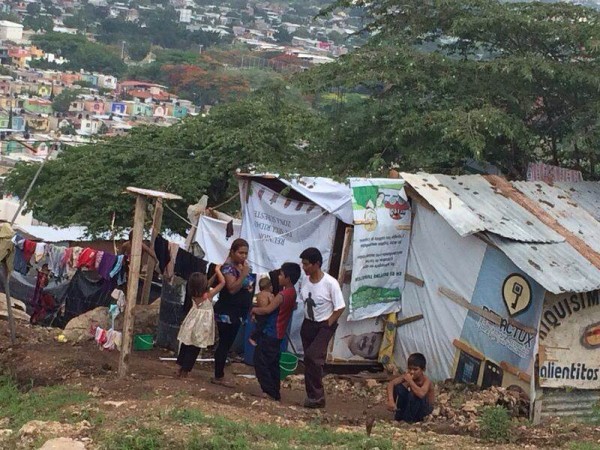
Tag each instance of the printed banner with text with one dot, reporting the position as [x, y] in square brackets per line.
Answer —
[382, 220]
[278, 228]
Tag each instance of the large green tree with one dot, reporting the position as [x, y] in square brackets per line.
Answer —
[84, 185]
[452, 79]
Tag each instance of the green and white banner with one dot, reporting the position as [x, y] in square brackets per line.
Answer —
[382, 219]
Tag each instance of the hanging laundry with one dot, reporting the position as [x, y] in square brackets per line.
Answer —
[55, 257]
[99, 255]
[40, 301]
[186, 264]
[28, 249]
[106, 264]
[112, 338]
[7, 248]
[229, 229]
[67, 257]
[117, 267]
[20, 263]
[40, 251]
[100, 336]
[87, 259]
[161, 248]
[71, 257]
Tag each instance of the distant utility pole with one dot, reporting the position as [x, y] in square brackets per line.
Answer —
[122, 50]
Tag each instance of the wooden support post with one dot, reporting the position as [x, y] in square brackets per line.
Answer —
[132, 284]
[134, 270]
[11, 319]
[156, 224]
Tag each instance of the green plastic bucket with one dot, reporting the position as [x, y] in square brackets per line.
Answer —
[288, 363]
[143, 342]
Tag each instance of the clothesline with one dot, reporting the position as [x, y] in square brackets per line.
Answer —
[63, 261]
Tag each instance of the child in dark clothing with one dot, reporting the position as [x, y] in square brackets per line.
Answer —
[411, 396]
[263, 298]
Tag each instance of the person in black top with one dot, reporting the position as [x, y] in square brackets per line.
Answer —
[234, 303]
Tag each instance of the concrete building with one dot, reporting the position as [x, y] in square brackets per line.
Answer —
[11, 31]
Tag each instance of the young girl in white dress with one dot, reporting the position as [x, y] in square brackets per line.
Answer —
[198, 328]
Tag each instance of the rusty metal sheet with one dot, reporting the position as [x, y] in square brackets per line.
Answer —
[586, 194]
[460, 216]
[500, 215]
[567, 212]
[558, 267]
[568, 403]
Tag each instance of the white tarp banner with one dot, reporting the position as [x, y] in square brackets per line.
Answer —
[380, 247]
[212, 237]
[278, 228]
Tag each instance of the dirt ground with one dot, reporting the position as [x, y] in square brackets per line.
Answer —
[152, 388]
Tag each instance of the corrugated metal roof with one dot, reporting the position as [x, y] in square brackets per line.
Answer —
[558, 267]
[558, 204]
[470, 204]
[460, 217]
[478, 206]
[586, 194]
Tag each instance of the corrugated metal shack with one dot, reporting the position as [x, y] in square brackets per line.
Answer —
[507, 283]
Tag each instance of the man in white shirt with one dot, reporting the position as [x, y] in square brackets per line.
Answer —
[323, 306]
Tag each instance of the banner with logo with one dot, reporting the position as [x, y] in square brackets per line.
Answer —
[382, 221]
[515, 301]
[278, 228]
[569, 341]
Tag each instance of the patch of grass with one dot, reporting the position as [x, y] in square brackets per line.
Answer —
[495, 424]
[43, 403]
[233, 435]
[584, 446]
[140, 439]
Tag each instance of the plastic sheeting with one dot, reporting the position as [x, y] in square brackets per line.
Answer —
[86, 291]
[22, 287]
[278, 228]
[334, 197]
[212, 237]
[439, 257]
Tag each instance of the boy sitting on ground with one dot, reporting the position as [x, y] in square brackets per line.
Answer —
[411, 395]
[263, 299]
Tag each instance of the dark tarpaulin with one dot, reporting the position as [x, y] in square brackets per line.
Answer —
[172, 313]
[22, 288]
[86, 291]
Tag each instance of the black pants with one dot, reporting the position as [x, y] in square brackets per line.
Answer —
[315, 339]
[227, 334]
[187, 356]
[409, 407]
[266, 364]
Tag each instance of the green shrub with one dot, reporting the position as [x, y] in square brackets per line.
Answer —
[495, 424]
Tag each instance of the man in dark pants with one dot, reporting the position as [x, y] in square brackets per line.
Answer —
[268, 343]
[323, 306]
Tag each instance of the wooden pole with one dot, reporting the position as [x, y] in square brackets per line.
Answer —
[11, 319]
[156, 224]
[132, 284]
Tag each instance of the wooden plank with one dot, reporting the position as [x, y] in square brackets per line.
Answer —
[132, 284]
[415, 280]
[407, 320]
[494, 318]
[507, 367]
[468, 349]
[156, 224]
[461, 301]
[152, 193]
[349, 232]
